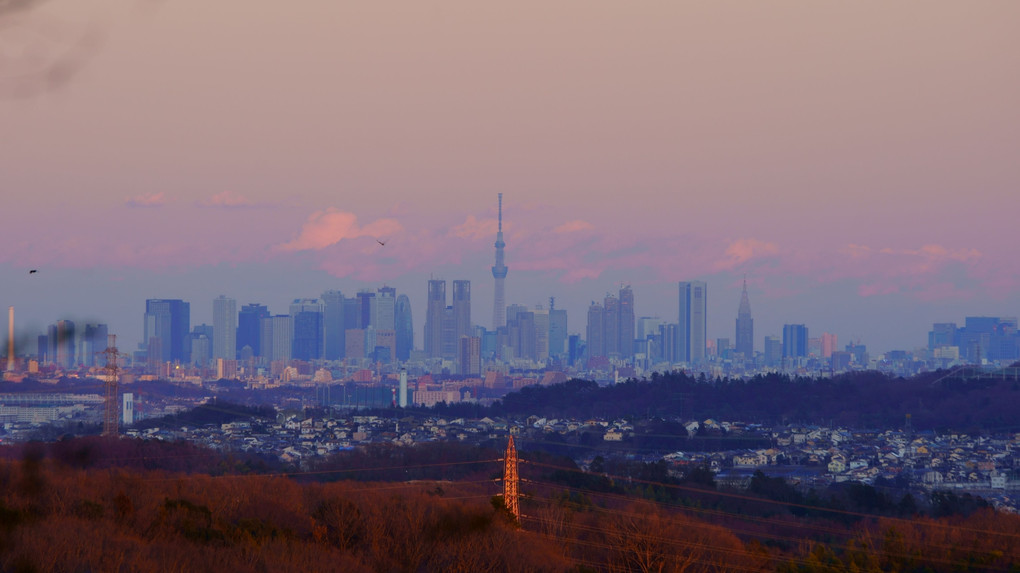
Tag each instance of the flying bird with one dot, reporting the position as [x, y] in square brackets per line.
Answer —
[33, 271]
[383, 243]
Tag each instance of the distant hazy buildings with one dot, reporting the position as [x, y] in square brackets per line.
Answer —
[248, 329]
[445, 325]
[333, 329]
[166, 330]
[224, 328]
[275, 337]
[745, 326]
[611, 326]
[307, 334]
[692, 335]
[404, 327]
[795, 340]
[982, 338]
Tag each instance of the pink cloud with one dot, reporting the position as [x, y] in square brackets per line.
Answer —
[329, 227]
[146, 200]
[476, 229]
[574, 226]
[226, 199]
[580, 273]
[740, 251]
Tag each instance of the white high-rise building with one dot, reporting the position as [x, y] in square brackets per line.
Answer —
[224, 328]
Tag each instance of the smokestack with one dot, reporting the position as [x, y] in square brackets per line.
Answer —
[402, 399]
[10, 339]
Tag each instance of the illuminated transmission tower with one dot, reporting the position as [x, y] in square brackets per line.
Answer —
[111, 414]
[510, 480]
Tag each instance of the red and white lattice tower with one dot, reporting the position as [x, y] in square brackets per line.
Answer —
[510, 480]
[111, 414]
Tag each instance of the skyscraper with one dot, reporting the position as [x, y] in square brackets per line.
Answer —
[462, 308]
[434, 318]
[62, 343]
[333, 325]
[224, 328]
[275, 333]
[626, 327]
[248, 331]
[692, 335]
[167, 330]
[383, 318]
[611, 326]
[499, 271]
[404, 325]
[745, 326]
[94, 342]
[596, 330]
[306, 321]
[795, 339]
[557, 330]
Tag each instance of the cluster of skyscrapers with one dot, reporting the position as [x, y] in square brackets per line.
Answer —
[376, 326]
[372, 325]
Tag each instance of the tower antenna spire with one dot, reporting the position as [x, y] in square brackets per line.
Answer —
[499, 271]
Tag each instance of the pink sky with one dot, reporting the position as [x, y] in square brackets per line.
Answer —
[856, 160]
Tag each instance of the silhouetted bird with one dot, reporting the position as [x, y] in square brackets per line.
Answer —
[33, 271]
[383, 243]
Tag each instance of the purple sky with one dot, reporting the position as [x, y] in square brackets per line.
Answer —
[858, 161]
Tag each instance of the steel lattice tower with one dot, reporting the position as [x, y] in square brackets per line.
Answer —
[499, 273]
[511, 480]
[111, 413]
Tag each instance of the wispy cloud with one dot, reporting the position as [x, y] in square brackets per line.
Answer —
[227, 200]
[574, 227]
[476, 229]
[326, 228]
[740, 251]
[146, 200]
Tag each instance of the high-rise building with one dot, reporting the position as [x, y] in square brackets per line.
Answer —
[333, 329]
[306, 322]
[469, 353]
[773, 351]
[795, 340]
[404, 326]
[436, 302]
[541, 326]
[625, 333]
[829, 342]
[557, 330]
[94, 343]
[224, 328]
[745, 326]
[692, 336]
[499, 271]
[384, 317]
[611, 326]
[248, 330]
[366, 308]
[166, 330]
[595, 335]
[62, 343]
[275, 337]
[462, 308]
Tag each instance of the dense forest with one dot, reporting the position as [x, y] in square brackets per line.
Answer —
[89, 505]
[861, 400]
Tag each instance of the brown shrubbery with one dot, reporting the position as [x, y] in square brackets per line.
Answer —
[56, 517]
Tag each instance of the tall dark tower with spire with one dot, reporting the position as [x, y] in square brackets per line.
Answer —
[499, 273]
[745, 326]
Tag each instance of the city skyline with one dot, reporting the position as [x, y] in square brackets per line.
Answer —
[866, 189]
